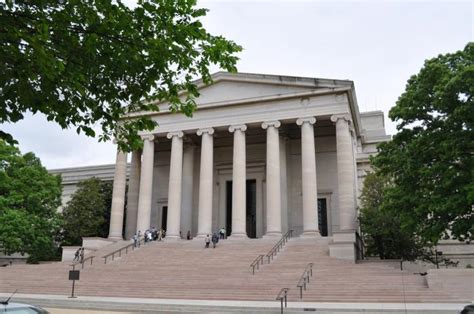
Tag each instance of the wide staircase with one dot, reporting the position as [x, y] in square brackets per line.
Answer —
[186, 270]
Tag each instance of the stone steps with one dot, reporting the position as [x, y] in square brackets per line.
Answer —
[186, 270]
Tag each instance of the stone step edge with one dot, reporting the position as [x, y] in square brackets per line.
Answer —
[146, 304]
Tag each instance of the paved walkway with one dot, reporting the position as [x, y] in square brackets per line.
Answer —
[107, 305]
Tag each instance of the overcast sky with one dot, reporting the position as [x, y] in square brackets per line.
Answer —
[376, 44]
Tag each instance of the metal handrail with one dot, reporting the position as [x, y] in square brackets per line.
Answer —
[276, 248]
[256, 262]
[83, 261]
[308, 272]
[119, 251]
[283, 297]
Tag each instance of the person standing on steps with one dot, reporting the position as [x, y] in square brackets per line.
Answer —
[215, 239]
[207, 240]
[188, 236]
[139, 235]
[222, 233]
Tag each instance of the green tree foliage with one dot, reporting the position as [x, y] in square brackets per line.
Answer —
[86, 62]
[384, 234]
[87, 213]
[29, 198]
[430, 160]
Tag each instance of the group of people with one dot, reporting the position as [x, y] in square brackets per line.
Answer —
[79, 255]
[151, 234]
[215, 238]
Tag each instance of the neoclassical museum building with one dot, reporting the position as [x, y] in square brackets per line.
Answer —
[261, 155]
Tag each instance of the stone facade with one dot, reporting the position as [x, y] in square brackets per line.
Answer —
[259, 156]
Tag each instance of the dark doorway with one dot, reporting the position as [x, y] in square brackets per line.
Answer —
[164, 217]
[323, 216]
[251, 208]
[228, 214]
[251, 204]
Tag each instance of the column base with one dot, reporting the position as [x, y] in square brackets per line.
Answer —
[344, 245]
[115, 238]
[202, 236]
[172, 238]
[238, 236]
[272, 234]
[310, 234]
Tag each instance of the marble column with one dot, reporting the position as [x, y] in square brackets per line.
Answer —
[187, 189]
[273, 179]
[239, 188]
[310, 188]
[118, 196]
[205, 182]
[174, 187]
[133, 192]
[345, 173]
[146, 184]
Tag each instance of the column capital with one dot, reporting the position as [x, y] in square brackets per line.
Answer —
[179, 134]
[209, 131]
[273, 123]
[310, 120]
[344, 116]
[241, 127]
[148, 137]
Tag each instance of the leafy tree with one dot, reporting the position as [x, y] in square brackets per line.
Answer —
[87, 213]
[384, 234]
[87, 62]
[29, 198]
[431, 159]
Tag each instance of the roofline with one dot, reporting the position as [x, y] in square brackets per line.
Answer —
[274, 79]
[69, 169]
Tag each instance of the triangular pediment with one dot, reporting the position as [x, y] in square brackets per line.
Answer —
[237, 86]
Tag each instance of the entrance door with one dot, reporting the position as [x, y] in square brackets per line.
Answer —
[251, 208]
[164, 217]
[323, 216]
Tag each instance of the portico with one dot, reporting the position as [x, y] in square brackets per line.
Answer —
[265, 150]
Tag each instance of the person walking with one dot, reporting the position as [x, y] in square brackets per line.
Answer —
[82, 255]
[76, 255]
[160, 234]
[215, 239]
[139, 235]
[207, 240]
[135, 240]
[222, 233]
